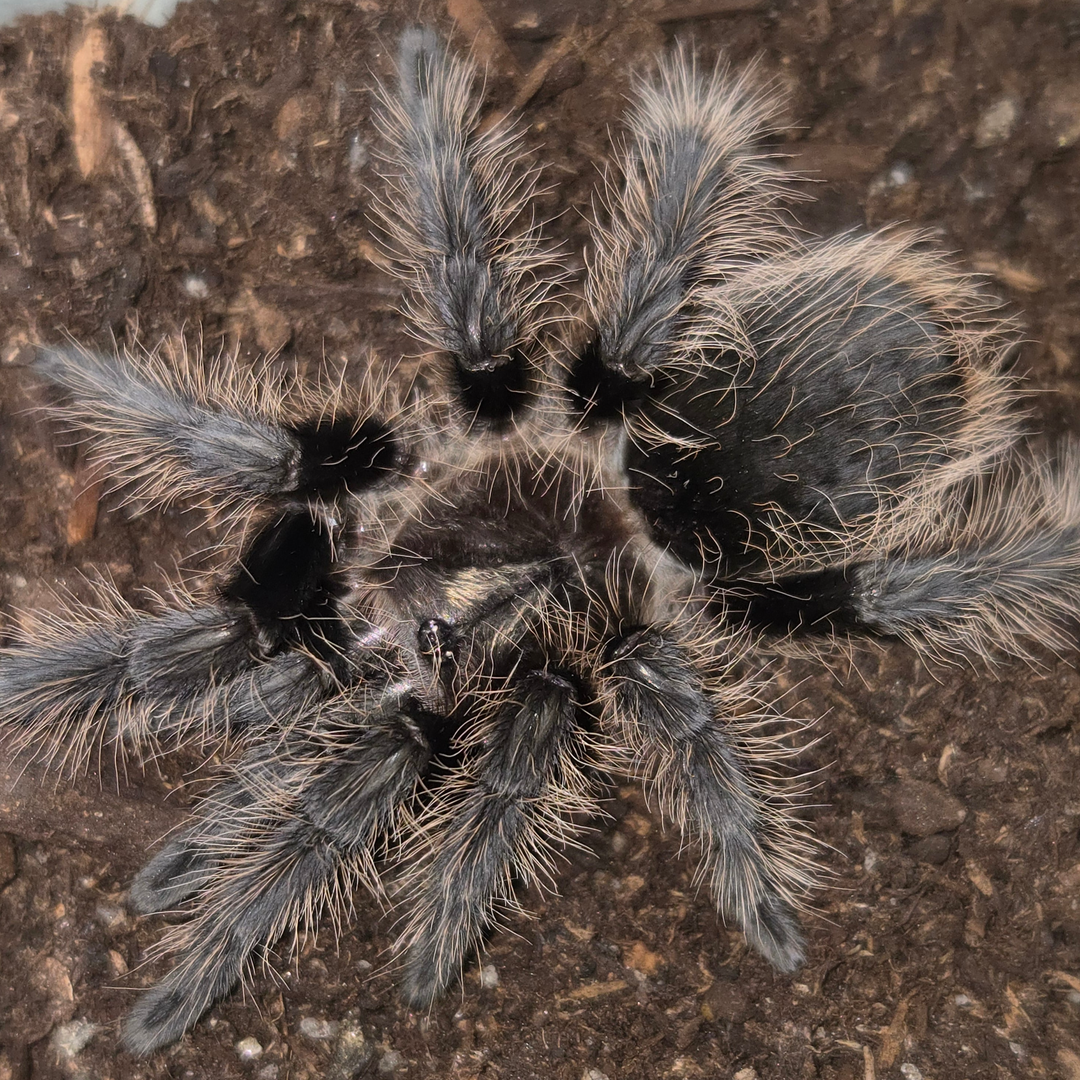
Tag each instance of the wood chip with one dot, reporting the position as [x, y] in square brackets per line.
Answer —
[1008, 274]
[707, 9]
[539, 71]
[487, 43]
[92, 127]
[140, 175]
[590, 991]
[1071, 981]
[639, 957]
[96, 134]
[979, 878]
[892, 1038]
[1070, 1062]
[83, 514]
[834, 161]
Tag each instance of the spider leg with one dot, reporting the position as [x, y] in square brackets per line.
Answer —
[276, 640]
[178, 433]
[715, 770]
[496, 826]
[984, 568]
[187, 864]
[455, 195]
[306, 828]
[127, 680]
[690, 200]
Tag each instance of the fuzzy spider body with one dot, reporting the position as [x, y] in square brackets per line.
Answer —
[460, 604]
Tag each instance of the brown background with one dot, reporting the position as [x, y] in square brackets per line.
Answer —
[231, 200]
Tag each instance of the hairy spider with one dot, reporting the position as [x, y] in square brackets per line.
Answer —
[563, 548]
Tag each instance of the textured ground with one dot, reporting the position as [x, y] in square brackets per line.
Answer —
[234, 203]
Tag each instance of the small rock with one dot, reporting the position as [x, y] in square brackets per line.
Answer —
[110, 916]
[358, 153]
[249, 1049]
[313, 1028]
[594, 1074]
[910, 1072]
[293, 118]
[390, 1062]
[351, 1054]
[69, 1039]
[1059, 109]
[898, 175]
[9, 865]
[268, 1072]
[8, 1066]
[198, 288]
[749, 1073]
[933, 849]
[52, 977]
[997, 122]
[489, 977]
[541, 20]
[923, 808]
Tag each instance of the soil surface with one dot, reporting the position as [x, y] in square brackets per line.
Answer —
[229, 198]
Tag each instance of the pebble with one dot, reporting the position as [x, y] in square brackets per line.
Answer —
[489, 977]
[313, 1028]
[352, 1054]
[390, 1062]
[923, 808]
[594, 1074]
[542, 20]
[749, 1073]
[52, 977]
[249, 1049]
[110, 916]
[1060, 109]
[69, 1039]
[117, 964]
[198, 288]
[933, 849]
[910, 1072]
[359, 154]
[997, 122]
[898, 175]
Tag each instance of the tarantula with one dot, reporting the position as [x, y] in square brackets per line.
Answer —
[562, 548]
